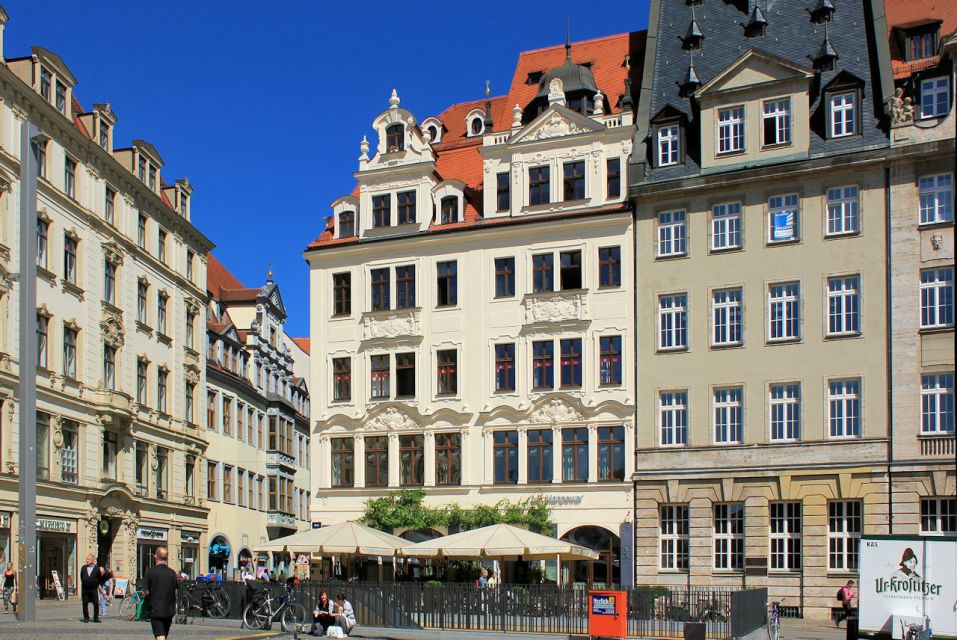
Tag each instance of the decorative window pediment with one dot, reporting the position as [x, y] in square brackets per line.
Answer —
[754, 68]
[556, 122]
[410, 148]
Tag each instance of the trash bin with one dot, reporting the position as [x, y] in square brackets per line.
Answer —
[851, 628]
[694, 631]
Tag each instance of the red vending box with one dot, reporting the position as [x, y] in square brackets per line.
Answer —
[607, 614]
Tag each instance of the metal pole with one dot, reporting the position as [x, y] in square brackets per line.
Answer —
[27, 392]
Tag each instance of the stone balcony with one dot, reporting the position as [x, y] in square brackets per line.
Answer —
[549, 307]
[278, 458]
[115, 404]
[280, 519]
[391, 324]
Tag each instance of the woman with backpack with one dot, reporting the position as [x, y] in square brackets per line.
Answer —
[845, 594]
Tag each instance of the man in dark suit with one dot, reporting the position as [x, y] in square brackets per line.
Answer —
[90, 575]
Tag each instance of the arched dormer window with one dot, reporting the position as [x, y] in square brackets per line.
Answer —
[347, 224]
[450, 209]
[432, 129]
[476, 126]
[433, 132]
[394, 138]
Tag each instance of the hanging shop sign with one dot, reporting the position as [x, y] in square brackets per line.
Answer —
[151, 533]
[189, 537]
[55, 525]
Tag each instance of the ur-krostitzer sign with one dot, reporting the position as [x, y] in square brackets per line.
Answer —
[908, 577]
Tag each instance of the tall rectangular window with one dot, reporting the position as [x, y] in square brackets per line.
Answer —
[611, 454]
[613, 178]
[141, 232]
[784, 311]
[843, 114]
[609, 267]
[505, 367]
[571, 363]
[141, 288]
[104, 134]
[543, 273]
[109, 281]
[43, 341]
[43, 230]
[212, 482]
[405, 287]
[411, 460]
[673, 322]
[405, 203]
[844, 305]
[504, 277]
[543, 364]
[70, 452]
[571, 270]
[777, 122]
[843, 211]
[142, 460]
[937, 298]
[728, 536]
[405, 375]
[342, 461]
[728, 415]
[109, 366]
[342, 379]
[447, 377]
[674, 537]
[726, 226]
[347, 224]
[844, 408]
[502, 192]
[46, 83]
[109, 453]
[69, 177]
[785, 538]
[380, 376]
[673, 418]
[783, 218]
[162, 472]
[448, 458]
[69, 352]
[161, 246]
[575, 454]
[731, 130]
[61, 97]
[380, 289]
[938, 516]
[109, 206]
[539, 455]
[935, 97]
[190, 398]
[43, 446]
[671, 234]
[342, 294]
[726, 317]
[539, 186]
[936, 198]
[573, 184]
[669, 145]
[844, 524]
[162, 302]
[937, 403]
[161, 382]
[785, 411]
[381, 211]
[505, 455]
[609, 360]
[449, 209]
[377, 461]
[447, 283]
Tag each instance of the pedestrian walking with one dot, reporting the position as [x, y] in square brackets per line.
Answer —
[159, 585]
[106, 589]
[90, 576]
[845, 595]
[9, 588]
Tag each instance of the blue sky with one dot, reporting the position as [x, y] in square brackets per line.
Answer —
[263, 105]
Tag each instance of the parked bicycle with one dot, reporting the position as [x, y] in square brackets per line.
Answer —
[774, 619]
[130, 604]
[210, 600]
[711, 611]
[261, 614]
[914, 631]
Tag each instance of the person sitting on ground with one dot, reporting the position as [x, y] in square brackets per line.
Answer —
[323, 615]
[345, 615]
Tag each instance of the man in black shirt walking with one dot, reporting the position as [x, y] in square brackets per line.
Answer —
[90, 575]
[160, 584]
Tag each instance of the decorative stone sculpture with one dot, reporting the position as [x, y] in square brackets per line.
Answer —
[599, 104]
[394, 100]
[901, 108]
[556, 92]
[517, 117]
[364, 149]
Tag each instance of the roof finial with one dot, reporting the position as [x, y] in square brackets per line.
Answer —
[394, 100]
[487, 120]
[488, 87]
[568, 37]
[269, 273]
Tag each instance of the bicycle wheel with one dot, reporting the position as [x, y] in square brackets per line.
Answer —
[184, 611]
[128, 607]
[773, 628]
[252, 618]
[223, 595]
[217, 606]
[293, 617]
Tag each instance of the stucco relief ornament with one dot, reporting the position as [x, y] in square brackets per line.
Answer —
[555, 309]
[556, 92]
[112, 330]
[556, 411]
[901, 108]
[390, 420]
[555, 127]
[391, 327]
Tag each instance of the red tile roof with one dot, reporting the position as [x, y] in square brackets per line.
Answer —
[903, 13]
[219, 278]
[302, 343]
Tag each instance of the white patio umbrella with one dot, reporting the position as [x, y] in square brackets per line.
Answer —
[344, 539]
[499, 541]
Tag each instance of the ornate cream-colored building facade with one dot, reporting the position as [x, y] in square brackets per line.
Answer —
[471, 312]
[120, 304]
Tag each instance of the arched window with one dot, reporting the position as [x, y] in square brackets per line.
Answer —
[433, 132]
[476, 126]
[394, 138]
[450, 209]
[347, 224]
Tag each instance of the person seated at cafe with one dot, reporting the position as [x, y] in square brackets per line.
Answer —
[323, 614]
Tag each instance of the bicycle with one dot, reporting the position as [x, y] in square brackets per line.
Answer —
[711, 612]
[261, 615]
[130, 604]
[774, 619]
[914, 631]
[211, 600]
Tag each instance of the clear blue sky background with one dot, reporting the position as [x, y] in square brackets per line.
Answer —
[263, 104]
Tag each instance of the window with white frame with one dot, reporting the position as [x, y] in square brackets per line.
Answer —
[726, 226]
[843, 205]
[844, 407]
[785, 530]
[783, 218]
[934, 97]
[672, 234]
[674, 537]
[673, 418]
[69, 452]
[728, 413]
[843, 535]
[728, 536]
[785, 411]
[937, 298]
[938, 516]
[936, 198]
[731, 130]
[844, 305]
[937, 403]
[673, 322]
[726, 317]
[669, 150]
[784, 311]
[843, 114]
[777, 122]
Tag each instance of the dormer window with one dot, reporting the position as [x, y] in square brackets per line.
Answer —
[347, 224]
[922, 43]
[433, 132]
[777, 122]
[61, 97]
[476, 126]
[668, 145]
[394, 138]
[141, 169]
[843, 114]
[152, 182]
[450, 209]
[731, 130]
[104, 134]
[46, 83]
[183, 203]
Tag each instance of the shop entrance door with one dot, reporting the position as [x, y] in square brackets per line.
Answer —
[105, 536]
[145, 557]
[52, 558]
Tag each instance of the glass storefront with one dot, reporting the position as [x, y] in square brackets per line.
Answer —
[5, 556]
[56, 551]
[189, 553]
[148, 540]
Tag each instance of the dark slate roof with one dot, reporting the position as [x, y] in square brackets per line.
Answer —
[791, 35]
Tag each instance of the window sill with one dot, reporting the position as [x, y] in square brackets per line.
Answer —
[730, 154]
[340, 316]
[933, 330]
[72, 288]
[720, 250]
[46, 274]
[680, 445]
[777, 341]
[789, 241]
[842, 235]
[843, 336]
[776, 145]
[162, 337]
[670, 256]
[936, 435]
[921, 226]
[143, 327]
[610, 385]
[726, 346]
[446, 307]
[672, 350]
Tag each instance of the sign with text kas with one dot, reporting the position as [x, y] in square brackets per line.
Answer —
[908, 577]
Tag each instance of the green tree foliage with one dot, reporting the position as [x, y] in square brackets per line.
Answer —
[405, 510]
